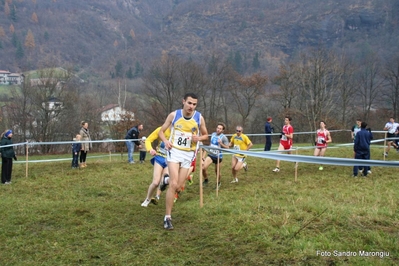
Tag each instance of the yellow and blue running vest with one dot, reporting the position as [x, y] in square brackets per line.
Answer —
[161, 151]
[182, 130]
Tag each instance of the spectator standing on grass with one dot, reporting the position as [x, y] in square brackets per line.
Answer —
[322, 138]
[286, 139]
[143, 150]
[76, 147]
[240, 142]
[268, 131]
[187, 129]
[86, 145]
[362, 148]
[7, 155]
[392, 128]
[355, 129]
[132, 136]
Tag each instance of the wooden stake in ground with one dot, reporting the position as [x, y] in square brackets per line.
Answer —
[200, 181]
[296, 166]
[385, 145]
[26, 160]
[217, 175]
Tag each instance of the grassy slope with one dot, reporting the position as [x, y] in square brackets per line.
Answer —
[93, 216]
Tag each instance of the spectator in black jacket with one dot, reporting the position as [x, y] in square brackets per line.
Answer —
[133, 136]
[7, 154]
[76, 147]
[268, 130]
[362, 147]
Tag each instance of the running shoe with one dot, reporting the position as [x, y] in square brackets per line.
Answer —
[190, 180]
[276, 170]
[206, 181]
[164, 182]
[245, 166]
[235, 180]
[154, 201]
[369, 172]
[167, 224]
[145, 203]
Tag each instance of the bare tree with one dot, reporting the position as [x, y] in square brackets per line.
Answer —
[391, 75]
[246, 91]
[163, 88]
[51, 96]
[218, 73]
[318, 76]
[370, 83]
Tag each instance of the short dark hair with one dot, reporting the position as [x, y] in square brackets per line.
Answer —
[190, 94]
[363, 125]
[222, 124]
[289, 117]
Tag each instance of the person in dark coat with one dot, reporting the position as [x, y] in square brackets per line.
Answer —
[76, 147]
[268, 130]
[7, 154]
[132, 136]
[362, 148]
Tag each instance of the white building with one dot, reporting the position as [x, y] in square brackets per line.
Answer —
[8, 78]
[114, 113]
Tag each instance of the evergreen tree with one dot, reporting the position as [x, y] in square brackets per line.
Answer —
[14, 40]
[46, 36]
[212, 65]
[13, 14]
[129, 73]
[118, 69]
[138, 69]
[238, 62]
[20, 51]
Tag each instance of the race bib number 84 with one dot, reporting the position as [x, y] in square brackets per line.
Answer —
[182, 139]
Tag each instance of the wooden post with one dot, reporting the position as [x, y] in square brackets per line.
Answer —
[26, 160]
[110, 155]
[200, 180]
[296, 166]
[217, 175]
[385, 145]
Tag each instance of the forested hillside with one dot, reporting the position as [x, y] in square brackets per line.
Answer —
[92, 35]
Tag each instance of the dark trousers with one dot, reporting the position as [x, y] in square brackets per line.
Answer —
[75, 158]
[83, 155]
[142, 155]
[6, 169]
[268, 144]
[362, 156]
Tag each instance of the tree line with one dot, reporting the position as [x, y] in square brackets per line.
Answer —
[318, 84]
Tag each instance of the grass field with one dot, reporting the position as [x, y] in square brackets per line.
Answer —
[92, 216]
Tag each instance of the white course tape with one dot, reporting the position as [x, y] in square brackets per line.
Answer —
[309, 159]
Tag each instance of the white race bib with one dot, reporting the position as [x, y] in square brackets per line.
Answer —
[182, 139]
[236, 147]
[320, 140]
